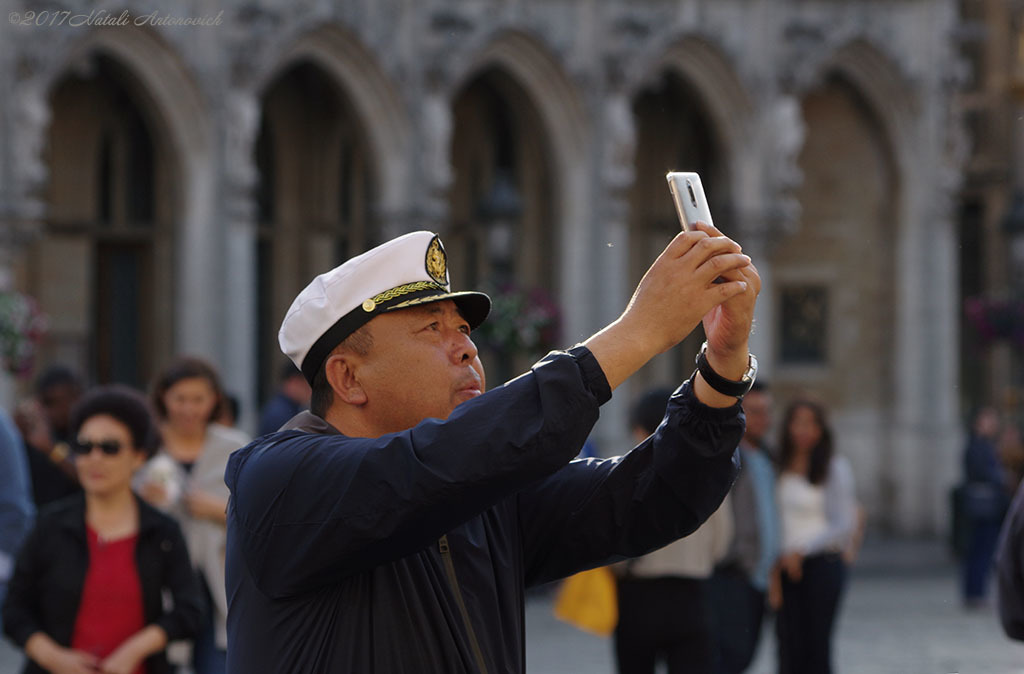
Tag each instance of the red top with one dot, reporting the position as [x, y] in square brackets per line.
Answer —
[111, 608]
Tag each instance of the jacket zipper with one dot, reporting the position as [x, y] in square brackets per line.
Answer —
[446, 555]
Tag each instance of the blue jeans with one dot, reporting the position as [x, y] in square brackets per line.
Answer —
[981, 547]
[805, 621]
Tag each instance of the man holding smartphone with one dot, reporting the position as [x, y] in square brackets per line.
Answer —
[395, 526]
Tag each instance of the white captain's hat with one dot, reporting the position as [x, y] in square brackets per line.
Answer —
[409, 270]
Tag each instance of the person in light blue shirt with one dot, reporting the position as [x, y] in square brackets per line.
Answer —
[740, 582]
[16, 508]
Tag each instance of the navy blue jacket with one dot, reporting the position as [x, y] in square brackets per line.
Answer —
[411, 552]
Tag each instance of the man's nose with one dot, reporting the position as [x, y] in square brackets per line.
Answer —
[465, 349]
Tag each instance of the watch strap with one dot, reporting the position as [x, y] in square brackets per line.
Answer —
[728, 387]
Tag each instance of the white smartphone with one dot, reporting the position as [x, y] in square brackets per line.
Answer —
[688, 196]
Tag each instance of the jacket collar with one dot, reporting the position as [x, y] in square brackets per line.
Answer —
[70, 514]
[308, 422]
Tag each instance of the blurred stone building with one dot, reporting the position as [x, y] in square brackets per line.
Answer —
[168, 188]
[990, 36]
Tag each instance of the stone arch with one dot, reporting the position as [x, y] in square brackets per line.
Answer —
[376, 100]
[567, 128]
[889, 95]
[709, 71]
[707, 68]
[166, 93]
[537, 71]
[858, 101]
[925, 322]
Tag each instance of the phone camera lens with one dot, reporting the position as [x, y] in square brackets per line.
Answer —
[693, 197]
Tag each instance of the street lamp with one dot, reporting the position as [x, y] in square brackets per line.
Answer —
[1013, 229]
[499, 212]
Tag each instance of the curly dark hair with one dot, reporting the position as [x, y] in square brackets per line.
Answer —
[126, 405]
[821, 454]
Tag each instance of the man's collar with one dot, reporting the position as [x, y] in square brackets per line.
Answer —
[308, 422]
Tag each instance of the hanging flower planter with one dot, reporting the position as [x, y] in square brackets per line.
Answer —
[996, 320]
[522, 321]
[22, 327]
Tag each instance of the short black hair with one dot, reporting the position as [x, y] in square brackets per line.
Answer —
[649, 409]
[58, 375]
[287, 371]
[360, 341]
[231, 405]
[127, 406]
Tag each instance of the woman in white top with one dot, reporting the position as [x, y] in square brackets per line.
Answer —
[186, 479]
[818, 513]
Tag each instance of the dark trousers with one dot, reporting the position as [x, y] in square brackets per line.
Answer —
[805, 621]
[737, 609]
[663, 619]
[981, 548]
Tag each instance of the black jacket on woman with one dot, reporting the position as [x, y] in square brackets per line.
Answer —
[46, 589]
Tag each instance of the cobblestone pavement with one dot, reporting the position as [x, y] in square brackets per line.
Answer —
[901, 615]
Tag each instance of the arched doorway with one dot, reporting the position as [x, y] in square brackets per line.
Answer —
[674, 132]
[503, 236]
[314, 196]
[835, 281]
[104, 264]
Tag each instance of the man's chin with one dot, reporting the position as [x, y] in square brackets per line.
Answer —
[467, 394]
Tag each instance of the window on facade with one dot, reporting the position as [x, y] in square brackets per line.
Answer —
[804, 325]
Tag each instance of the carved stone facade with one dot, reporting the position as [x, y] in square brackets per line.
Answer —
[825, 132]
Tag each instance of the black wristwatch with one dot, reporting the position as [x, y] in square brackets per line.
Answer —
[728, 387]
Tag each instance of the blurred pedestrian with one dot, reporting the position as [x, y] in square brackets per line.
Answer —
[103, 581]
[44, 421]
[985, 499]
[16, 507]
[740, 582]
[230, 408]
[186, 480]
[818, 513]
[292, 397]
[665, 612]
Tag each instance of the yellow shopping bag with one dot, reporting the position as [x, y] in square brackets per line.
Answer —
[588, 601]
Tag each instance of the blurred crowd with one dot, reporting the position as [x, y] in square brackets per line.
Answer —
[777, 551]
[112, 521]
[779, 545]
[112, 530]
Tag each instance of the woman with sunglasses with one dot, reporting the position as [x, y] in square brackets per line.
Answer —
[88, 589]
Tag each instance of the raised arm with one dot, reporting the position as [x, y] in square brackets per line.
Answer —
[316, 508]
[594, 512]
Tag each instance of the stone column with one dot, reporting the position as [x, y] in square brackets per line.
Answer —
[605, 288]
[770, 211]
[239, 366]
[927, 438]
[429, 185]
[23, 176]
[200, 255]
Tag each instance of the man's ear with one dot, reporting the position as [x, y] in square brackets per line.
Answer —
[341, 371]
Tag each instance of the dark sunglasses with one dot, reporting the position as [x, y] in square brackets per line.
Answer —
[83, 447]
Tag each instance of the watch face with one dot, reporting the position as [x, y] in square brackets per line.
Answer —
[751, 372]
